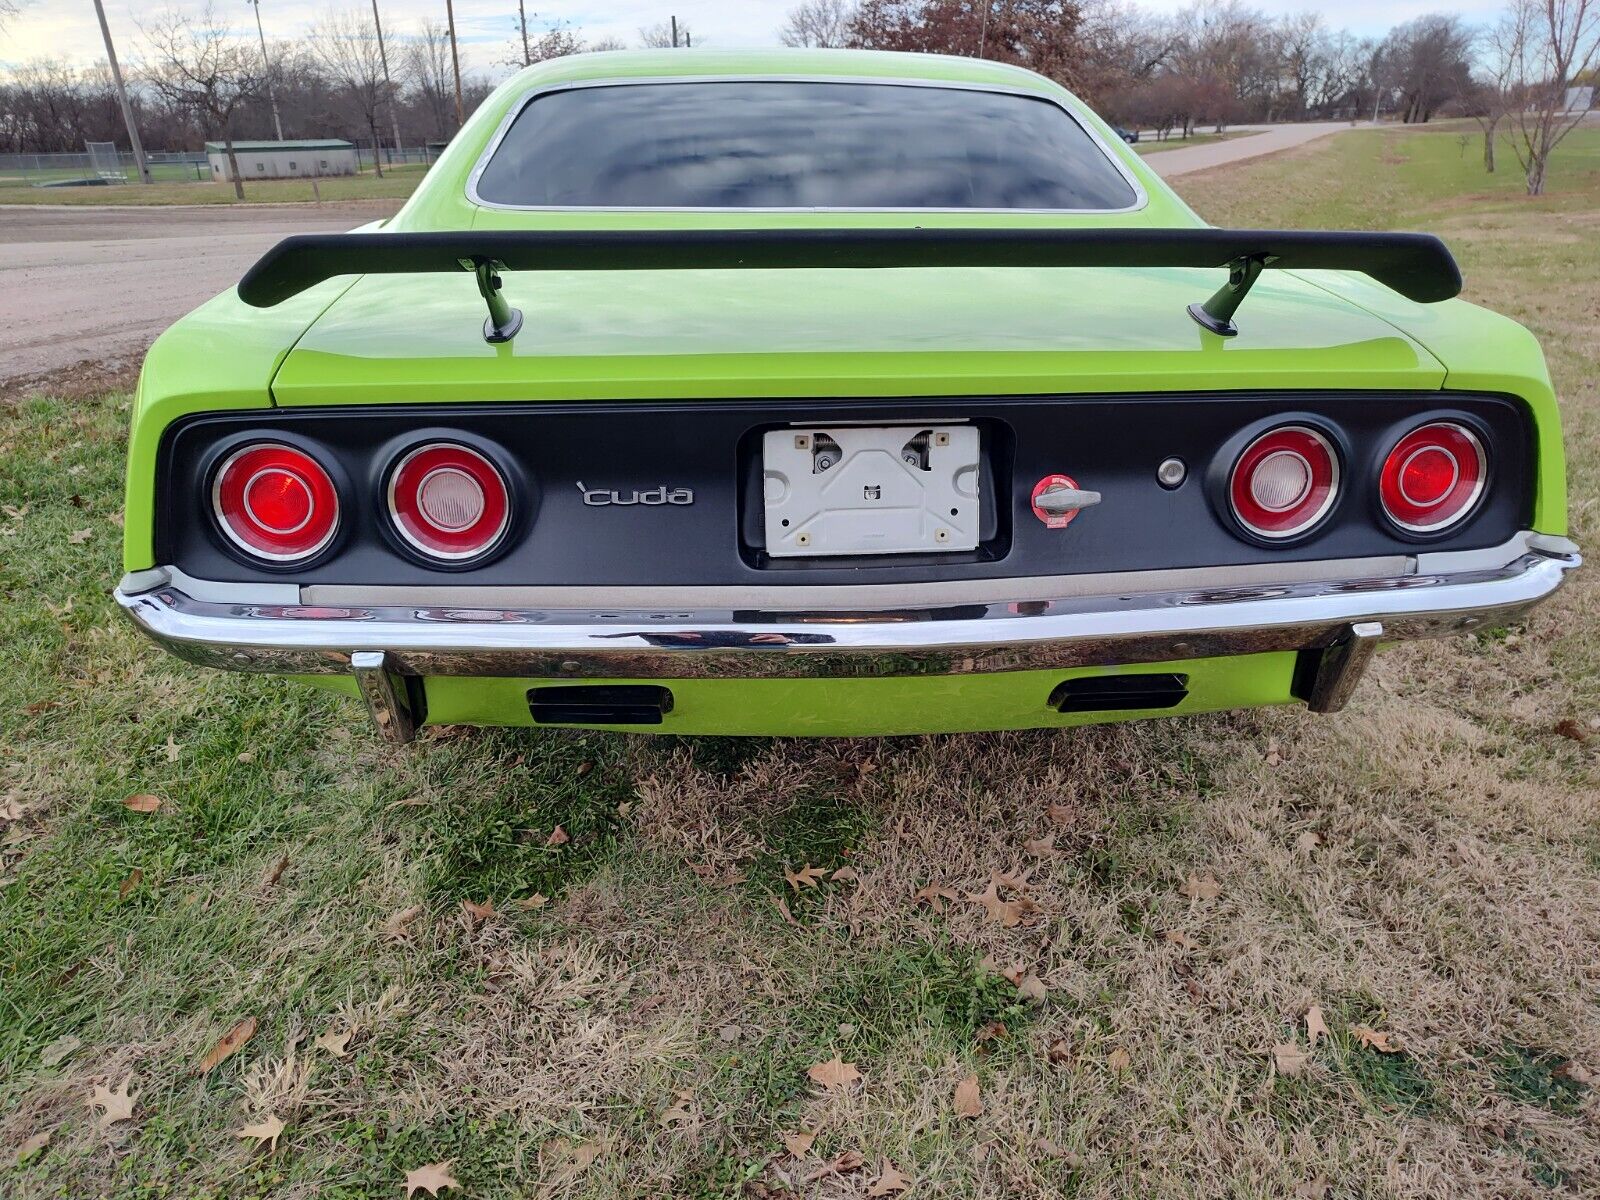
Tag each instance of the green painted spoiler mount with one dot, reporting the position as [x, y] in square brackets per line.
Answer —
[1418, 266]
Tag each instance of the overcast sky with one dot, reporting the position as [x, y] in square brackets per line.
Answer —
[67, 28]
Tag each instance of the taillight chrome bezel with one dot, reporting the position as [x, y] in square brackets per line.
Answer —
[1317, 451]
[433, 541]
[1465, 447]
[245, 532]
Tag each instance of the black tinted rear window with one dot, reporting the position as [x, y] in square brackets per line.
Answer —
[798, 145]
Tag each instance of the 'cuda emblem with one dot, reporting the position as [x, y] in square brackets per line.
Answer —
[600, 497]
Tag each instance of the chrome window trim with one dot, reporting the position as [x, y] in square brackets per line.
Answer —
[1141, 198]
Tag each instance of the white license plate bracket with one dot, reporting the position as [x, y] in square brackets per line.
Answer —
[865, 489]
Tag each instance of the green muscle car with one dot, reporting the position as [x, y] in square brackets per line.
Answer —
[830, 392]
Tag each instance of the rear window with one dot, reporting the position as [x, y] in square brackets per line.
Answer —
[781, 144]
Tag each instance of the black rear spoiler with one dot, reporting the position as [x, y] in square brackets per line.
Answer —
[1417, 265]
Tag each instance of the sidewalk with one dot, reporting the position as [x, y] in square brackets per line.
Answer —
[1273, 138]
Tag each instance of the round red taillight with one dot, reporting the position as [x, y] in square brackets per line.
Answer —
[1433, 477]
[1284, 482]
[275, 502]
[448, 501]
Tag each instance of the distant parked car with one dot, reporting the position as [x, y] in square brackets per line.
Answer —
[1128, 135]
[830, 392]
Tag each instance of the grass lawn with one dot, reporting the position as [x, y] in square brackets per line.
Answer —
[398, 182]
[637, 1015]
[1151, 146]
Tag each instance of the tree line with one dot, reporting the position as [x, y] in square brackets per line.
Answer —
[1215, 63]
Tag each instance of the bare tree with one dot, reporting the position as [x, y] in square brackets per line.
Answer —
[428, 65]
[819, 23]
[9, 9]
[196, 64]
[1550, 45]
[346, 45]
[661, 36]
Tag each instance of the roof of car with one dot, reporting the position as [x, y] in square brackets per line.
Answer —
[878, 64]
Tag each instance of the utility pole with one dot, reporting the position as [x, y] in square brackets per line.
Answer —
[122, 96]
[383, 55]
[266, 64]
[674, 33]
[455, 58]
[522, 18]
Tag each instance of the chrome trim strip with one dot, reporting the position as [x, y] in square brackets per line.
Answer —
[1072, 632]
[854, 597]
[1141, 198]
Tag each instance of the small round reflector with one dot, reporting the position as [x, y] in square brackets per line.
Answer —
[275, 502]
[1284, 482]
[1433, 477]
[448, 501]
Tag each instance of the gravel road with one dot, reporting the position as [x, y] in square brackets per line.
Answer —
[93, 284]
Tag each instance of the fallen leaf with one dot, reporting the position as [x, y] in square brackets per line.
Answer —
[558, 837]
[245, 756]
[32, 1146]
[680, 1113]
[172, 749]
[229, 1044]
[267, 1130]
[783, 908]
[275, 872]
[134, 878]
[1574, 1071]
[529, 903]
[834, 1074]
[850, 1160]
[1274, 756]
[1308, 841]
[1060, 1052]
[433, 1179]
[143, 802]
[394, 926]
[583, 1156]
[1177, 937]
[79, 536]
[1032, 988]
[806, 877]
[1568, 728]
[1316, 1027]
[991, 1032]
[967, 1101]
[336, 1041]
[1062, 815]
[116, 1104]
[58, 1050]
[1290, 1058]
[478, 913]
[934, 896]
[1383, 1043]
[1119, 1060]
[1008, 912]
[1043, 847]
[845, 873]
[889, 1181]
[799, 1144]
[1050, 1150]
[1201, 887]
[729, 1033]
[1312, 1189]
[583, 769]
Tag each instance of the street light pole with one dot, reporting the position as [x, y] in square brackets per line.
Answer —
[122, 96]
[394, 114]
[266, 65]
[455, 58]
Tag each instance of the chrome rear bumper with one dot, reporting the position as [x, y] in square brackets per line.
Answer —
[1344, 619]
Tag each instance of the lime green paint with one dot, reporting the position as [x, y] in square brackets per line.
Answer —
[709, 335]
[873, 707]
[223, 355]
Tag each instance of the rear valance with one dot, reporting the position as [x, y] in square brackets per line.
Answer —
[1416, 265]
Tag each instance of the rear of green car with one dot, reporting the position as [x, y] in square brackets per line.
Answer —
[910, 483]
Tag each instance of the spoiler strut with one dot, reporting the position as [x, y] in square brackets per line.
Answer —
[1416, 265]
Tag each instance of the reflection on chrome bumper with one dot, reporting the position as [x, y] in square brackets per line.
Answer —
[381, 643]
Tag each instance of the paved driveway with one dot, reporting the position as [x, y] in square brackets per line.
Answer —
[98, 284]
[1269, 140]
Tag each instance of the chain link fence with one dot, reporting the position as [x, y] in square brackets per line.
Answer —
[178, 166]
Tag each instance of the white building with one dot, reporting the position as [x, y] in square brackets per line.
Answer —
[283, 160]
